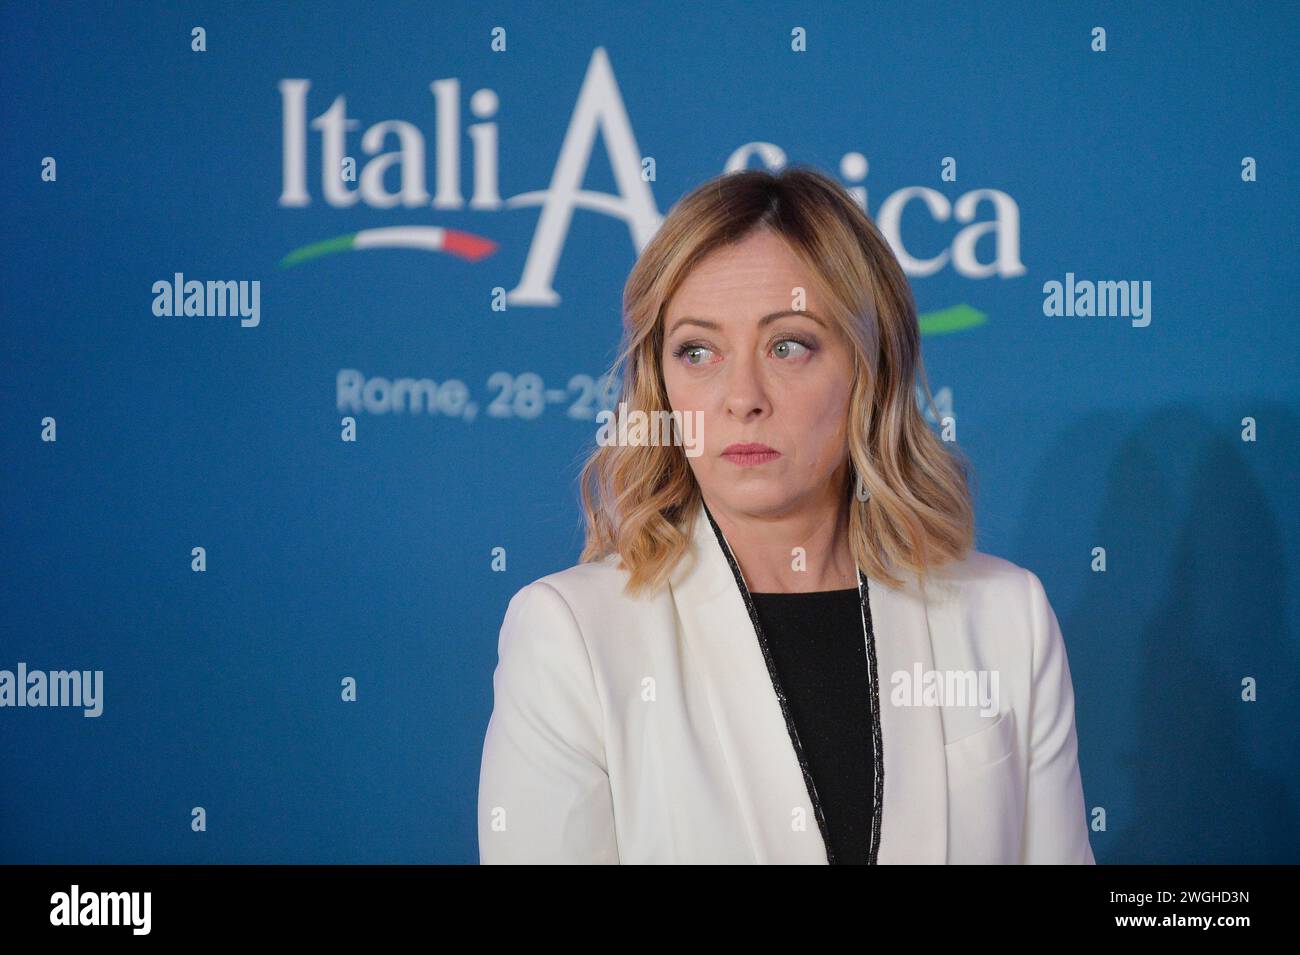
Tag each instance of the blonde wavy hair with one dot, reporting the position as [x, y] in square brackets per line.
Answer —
[639, 501]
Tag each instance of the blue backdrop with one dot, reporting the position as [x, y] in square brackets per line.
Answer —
[1001, 147]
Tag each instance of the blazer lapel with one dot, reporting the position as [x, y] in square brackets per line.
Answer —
[720, 638]
[770, 789]
[914, 820]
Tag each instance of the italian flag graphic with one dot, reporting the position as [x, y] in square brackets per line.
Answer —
[463, 245]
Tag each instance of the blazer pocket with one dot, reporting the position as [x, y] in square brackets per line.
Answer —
[985, 795]
[991, 744]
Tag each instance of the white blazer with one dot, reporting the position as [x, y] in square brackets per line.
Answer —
[649, 730]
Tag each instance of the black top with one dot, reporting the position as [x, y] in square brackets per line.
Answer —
[820, 655]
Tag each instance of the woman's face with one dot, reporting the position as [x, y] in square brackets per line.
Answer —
[756, 371]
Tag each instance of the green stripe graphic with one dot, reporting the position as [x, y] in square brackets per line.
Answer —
[954, 319]
[317, 249]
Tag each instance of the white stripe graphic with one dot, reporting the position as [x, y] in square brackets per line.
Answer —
[401, 237]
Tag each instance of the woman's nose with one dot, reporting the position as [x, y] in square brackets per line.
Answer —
[746, 394]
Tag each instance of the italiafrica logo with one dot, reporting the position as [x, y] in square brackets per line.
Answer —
[599, 112]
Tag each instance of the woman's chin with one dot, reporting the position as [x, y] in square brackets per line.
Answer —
[758, 499]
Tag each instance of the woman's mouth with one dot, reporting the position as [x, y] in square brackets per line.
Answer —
[749, 455]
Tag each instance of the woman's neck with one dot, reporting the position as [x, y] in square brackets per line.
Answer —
[798, 552]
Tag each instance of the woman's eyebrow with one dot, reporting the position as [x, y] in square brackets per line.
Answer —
[766, 319]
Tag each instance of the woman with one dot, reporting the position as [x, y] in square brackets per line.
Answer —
[784, 648]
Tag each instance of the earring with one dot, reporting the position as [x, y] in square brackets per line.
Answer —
[860, 491]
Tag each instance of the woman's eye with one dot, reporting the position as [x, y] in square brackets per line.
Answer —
[691, 351]
[788, 347]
